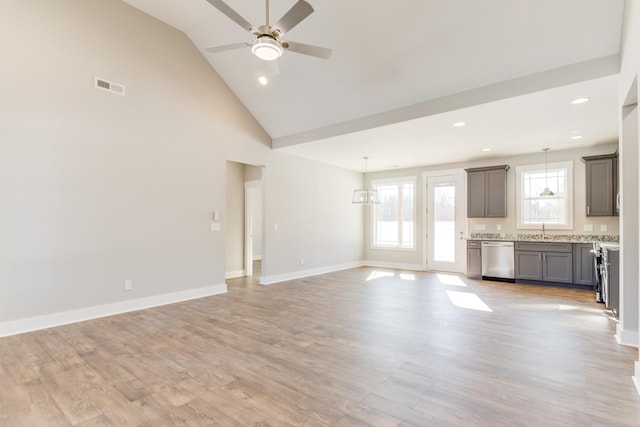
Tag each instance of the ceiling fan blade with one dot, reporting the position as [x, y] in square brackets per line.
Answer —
[293, 17]
[223, 48]
[307, 49]
[232, 14]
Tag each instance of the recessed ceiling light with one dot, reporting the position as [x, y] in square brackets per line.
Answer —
[580, 100]
[486, 149]
[459, 124]
[263, 80]
[576, 137]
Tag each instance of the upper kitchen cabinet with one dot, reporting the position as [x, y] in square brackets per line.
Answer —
[601, 184]
[487, 192]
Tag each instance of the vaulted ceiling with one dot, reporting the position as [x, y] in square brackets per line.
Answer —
[403, 72]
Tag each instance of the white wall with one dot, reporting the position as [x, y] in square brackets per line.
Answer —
[97, 188]
[629, 70]
[417, 258]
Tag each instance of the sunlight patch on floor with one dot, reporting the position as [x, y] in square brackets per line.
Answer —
[379, 274]
[448, 279]
[468, 300]
[407, 276]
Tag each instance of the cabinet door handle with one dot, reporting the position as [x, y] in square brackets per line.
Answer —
[539, 257]
[588, 210]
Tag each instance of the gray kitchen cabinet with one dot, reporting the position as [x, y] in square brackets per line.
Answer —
[549, 262]
[583, 269]
[557, 267]
[487, 192]
[474, 259]
[601, 184]
[528, 265]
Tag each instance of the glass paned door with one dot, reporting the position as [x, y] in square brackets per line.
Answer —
[446, 224]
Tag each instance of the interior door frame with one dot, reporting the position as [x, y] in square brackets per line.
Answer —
[425, 208]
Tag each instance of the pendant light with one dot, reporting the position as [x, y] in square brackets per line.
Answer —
[365, 196]
[546, 191]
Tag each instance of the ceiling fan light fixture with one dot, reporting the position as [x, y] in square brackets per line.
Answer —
[266, 48]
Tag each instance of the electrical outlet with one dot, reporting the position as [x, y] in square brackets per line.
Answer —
[603, 227]
[499, 227]
[301, 261]
[128, 285]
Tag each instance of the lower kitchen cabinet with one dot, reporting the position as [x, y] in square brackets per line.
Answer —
[557, 267]
[583, 268]
[474, 259]
[549, 262]
[528, 265]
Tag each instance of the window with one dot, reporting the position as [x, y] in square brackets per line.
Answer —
[394, 217]
[533, 210]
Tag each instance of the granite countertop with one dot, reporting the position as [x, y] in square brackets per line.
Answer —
[553, 238]
[611, 246]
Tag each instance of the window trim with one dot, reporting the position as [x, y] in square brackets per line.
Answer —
[397, 181]
[520, 170]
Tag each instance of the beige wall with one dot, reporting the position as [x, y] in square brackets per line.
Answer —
[97, 188]
[234, 221]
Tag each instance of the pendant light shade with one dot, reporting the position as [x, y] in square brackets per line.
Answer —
[365, 196]
[546, 192]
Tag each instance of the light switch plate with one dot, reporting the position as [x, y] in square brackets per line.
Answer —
[499, 227]
[479, 227]
[215, 226]
[588, 227]
[603, 227]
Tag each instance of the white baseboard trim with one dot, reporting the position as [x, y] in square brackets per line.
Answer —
[627, 338]
[20, 326]
[394, 265]
[276, 278]
[235, 274]
[636, 377]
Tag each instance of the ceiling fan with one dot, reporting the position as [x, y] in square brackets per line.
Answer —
[268, 44]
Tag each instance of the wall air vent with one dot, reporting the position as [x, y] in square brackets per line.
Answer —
[109, 86]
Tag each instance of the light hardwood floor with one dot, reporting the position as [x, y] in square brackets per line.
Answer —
[363, 347]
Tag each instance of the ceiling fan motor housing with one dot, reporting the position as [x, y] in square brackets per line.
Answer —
[266, 48]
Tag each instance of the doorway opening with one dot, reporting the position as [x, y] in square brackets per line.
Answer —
[244, 231]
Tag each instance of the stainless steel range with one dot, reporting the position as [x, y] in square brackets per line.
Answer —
[606, 265]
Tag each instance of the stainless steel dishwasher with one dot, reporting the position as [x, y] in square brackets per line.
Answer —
[498, 260]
